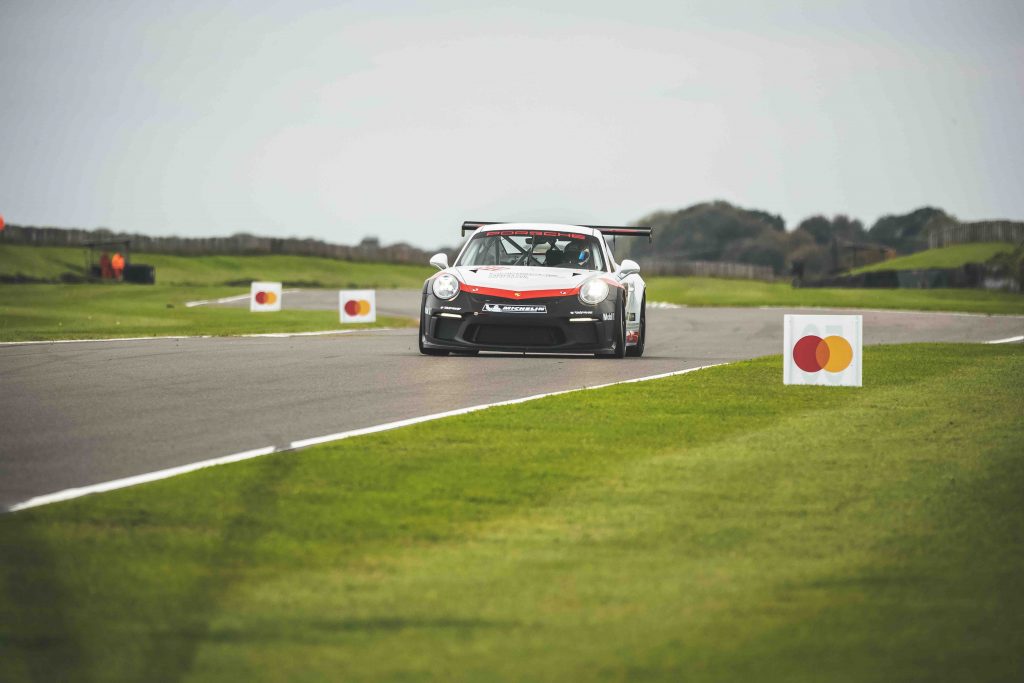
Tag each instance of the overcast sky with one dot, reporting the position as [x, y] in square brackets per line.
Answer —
[339, 120]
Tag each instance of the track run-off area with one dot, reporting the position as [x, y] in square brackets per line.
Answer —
[80, 414]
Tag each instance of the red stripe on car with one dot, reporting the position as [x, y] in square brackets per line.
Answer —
[518, 295]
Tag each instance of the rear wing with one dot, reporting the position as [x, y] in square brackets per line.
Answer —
[642, 231]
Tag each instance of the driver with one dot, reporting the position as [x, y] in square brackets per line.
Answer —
[577, 255]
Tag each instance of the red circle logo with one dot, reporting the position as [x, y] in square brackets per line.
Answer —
[354, 307]
[263, 298]
[831, 354]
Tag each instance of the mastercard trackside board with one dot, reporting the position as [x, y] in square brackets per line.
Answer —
[265, 297]
[822, 349]
[357, 305]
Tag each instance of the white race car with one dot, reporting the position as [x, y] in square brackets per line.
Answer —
[528, 287]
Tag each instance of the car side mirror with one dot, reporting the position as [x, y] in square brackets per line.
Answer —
[628, 267]
[439, 261]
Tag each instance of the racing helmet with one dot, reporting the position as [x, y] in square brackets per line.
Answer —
[577, 254]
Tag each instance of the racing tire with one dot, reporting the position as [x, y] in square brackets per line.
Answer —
[638, 350]
[620, 340]
[423, 331]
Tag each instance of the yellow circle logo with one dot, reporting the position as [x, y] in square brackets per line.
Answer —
[356, 307]
[831, 354]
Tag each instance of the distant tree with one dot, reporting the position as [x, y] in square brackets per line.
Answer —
[849, 229]
[815, 258]
[824, 230]
[774, 220]
[908, 232]
[720, 231]
[770, 248]
[703, 231]
[818, 227]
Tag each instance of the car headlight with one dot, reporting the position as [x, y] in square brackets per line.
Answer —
[445, 286]
[594, 291]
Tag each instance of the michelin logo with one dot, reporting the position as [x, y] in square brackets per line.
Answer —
[514, 308]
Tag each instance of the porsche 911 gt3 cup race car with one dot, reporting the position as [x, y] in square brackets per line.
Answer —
[528, 287]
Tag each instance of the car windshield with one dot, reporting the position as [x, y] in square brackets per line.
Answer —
[550, 248]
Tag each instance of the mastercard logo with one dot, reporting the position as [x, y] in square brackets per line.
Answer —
[355, 307]
[831, 354]
[265, 298]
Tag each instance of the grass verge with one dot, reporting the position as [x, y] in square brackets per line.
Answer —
[44, 312]
[715, 526]
[943, 257]
[49, 263]
[703, 291]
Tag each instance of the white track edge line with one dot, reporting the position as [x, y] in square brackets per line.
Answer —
[108, 339]
[229, 299]
[222, 300]
[1008, 340]
[321, 333]
[78, 492]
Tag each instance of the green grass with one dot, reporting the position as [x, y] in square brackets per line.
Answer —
[40, 312]
[78, 311]
[41, 263]
[49, 263]
[944, 257]
[711, 527]
[703, 291]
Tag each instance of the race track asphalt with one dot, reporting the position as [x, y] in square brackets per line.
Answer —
[75, 414]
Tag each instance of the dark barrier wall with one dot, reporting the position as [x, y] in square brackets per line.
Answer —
[968, 275]
[724, 269]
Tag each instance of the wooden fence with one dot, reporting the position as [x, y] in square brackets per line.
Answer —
[982, 231]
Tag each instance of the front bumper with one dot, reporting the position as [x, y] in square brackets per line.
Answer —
[477, 322]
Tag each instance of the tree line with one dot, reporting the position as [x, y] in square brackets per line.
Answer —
[720, 231]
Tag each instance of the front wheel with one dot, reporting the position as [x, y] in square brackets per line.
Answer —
[423, 331]
[638, 350]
